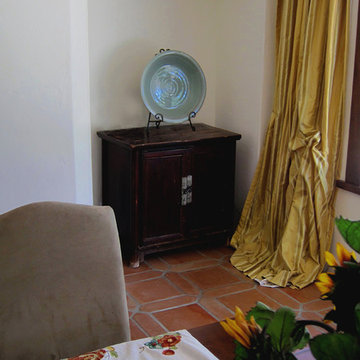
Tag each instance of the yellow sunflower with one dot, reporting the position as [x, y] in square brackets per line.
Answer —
[324, 283]
[342, 254]
[241, 329]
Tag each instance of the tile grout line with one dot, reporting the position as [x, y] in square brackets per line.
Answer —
[154, 319]
[173, 307]
[221, 304]
[207, 311]
[164, 299]
[195, 265]
[237, 292]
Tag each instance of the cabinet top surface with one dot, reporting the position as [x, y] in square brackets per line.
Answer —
[166, 134]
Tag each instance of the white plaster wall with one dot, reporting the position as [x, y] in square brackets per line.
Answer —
[45, 131]
[244, 86]
[36, 140]
[80, 90]
[124, 35]
[39, 156]
[45, 128]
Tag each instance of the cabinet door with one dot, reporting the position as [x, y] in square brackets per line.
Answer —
[213, 170]
[163, 216]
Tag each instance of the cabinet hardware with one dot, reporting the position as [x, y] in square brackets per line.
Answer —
[183, 191]
[138, 170]
[186, 190]
[189, 189]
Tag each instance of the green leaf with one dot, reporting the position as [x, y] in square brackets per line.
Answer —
[300, 337]
[241, 353]
[357, 318]
[335, 346]
[261, 305]
[352, 264]
[281, 328]
[350, 231]
[262, 314]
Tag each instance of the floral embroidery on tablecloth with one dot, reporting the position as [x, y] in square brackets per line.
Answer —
[104, 354]
[166, 342]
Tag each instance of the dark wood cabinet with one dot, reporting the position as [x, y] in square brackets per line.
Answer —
[169, 188]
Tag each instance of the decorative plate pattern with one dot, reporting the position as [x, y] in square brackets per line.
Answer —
[173, 85]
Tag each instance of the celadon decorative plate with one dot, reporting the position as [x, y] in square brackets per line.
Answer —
[173, 85]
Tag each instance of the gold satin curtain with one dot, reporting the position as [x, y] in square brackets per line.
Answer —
[287, 220]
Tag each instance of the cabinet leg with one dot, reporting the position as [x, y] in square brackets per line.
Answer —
[136, 260]
[135, 263]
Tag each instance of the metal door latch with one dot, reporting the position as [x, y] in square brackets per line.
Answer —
[186, 190]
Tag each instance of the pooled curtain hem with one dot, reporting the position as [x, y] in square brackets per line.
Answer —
[288, 217]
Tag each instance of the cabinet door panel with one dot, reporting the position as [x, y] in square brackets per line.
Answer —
[213, 188]
[163, 215]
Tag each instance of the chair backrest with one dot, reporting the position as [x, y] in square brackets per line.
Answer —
[62, 290]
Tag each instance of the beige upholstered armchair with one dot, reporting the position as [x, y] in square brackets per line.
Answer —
[62, 290]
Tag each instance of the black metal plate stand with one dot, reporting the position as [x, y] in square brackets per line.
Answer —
[159, 118]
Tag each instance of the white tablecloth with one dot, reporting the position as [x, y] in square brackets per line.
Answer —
[175, 345]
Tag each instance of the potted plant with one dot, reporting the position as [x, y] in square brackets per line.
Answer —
[267, 334]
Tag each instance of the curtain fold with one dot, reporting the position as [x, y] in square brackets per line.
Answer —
[287, 220]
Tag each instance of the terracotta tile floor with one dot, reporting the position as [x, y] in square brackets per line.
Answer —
[185, 289]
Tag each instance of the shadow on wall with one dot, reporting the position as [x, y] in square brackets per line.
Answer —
[119, 97]
[116, 96]
[243, 174]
